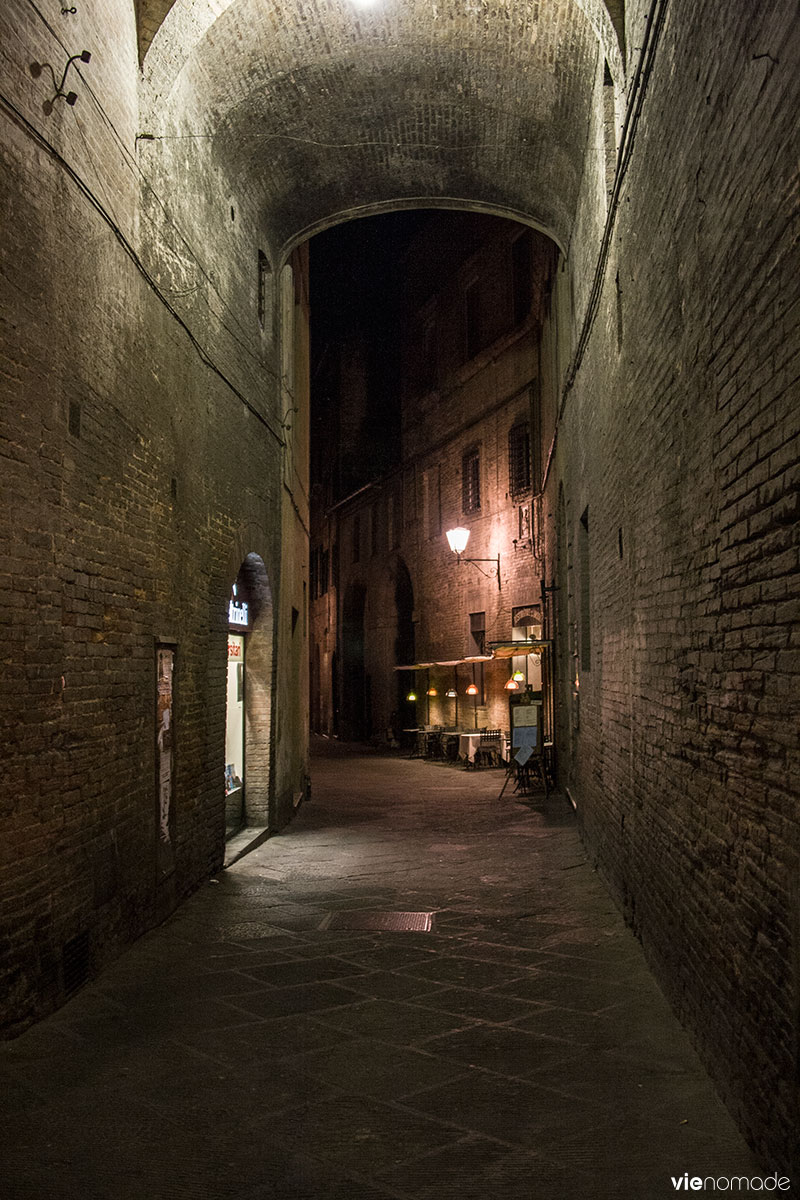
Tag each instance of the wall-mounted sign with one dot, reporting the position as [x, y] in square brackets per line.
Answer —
[165, 735]
[235, 648]
[238, 612]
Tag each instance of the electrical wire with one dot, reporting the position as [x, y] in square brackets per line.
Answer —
[136, 169]
[638, 89]
[21, 120]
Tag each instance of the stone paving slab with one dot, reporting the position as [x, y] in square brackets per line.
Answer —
[519, 1051]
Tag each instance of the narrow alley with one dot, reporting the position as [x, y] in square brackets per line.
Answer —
[264, 1043]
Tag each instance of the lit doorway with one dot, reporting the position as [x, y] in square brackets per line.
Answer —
[234, 736]
[248, 710]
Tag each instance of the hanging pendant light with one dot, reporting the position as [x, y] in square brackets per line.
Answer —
[512, 684]
[412, 695]
[472, 690]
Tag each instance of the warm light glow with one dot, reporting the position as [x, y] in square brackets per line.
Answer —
[512, 685]
[472, 690]
[411, 696]
[432, 691]
[458, 539]
[519, 676]
[451, 693]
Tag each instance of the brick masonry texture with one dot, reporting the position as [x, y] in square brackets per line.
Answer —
[135, 481]
[680, 438]
[676, 441]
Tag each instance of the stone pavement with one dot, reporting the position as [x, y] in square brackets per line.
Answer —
[519, 1051]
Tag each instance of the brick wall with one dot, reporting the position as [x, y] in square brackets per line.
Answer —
[140, 442]
[678, 444]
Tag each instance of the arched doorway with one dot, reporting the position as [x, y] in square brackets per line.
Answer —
[248, 713]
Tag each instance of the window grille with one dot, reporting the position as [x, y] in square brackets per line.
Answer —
[471, 481]
[519, 459]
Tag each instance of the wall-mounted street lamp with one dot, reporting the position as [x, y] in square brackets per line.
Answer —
[457, 539]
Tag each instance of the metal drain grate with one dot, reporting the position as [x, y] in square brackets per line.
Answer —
[380, 922]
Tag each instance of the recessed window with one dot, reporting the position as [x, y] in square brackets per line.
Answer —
[519, 459]
[264, 290]
[584, 584]
[471, 481]
[609, 131]
[477, 632]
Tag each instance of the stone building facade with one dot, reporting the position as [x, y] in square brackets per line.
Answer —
[387, 591]
[154, 437]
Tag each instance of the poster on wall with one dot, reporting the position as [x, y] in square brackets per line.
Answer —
[165, 731]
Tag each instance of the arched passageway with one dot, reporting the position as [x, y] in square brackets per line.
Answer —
[156, 212]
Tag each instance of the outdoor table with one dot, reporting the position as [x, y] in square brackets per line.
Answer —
[467, 745]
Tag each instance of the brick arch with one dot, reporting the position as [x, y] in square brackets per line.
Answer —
[382, 207]
[186, 22]
[398, 106]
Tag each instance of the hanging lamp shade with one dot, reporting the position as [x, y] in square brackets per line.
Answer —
[432, 691]
[457, 539]
[512, 685]
[472, 690]
[451, 693]
[412, 695]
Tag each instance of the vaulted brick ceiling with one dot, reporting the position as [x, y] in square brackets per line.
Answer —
[323, 109]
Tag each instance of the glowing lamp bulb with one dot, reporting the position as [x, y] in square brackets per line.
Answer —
[457, 539]
[512, 685]
[432, 691]
[411, 696]
[472, 690]
[451, 692]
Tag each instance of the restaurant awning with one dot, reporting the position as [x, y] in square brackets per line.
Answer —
[451, 662]
[512, 649]
[499, 650]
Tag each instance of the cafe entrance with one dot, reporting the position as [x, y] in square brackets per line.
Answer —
[248, 707]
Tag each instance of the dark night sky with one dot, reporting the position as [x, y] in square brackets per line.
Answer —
[356, 278]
